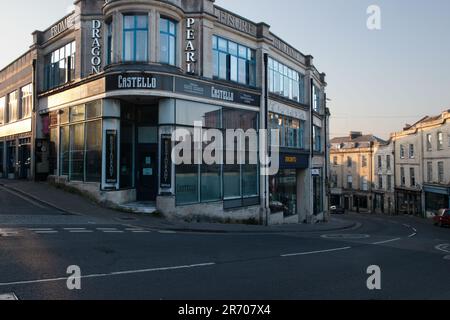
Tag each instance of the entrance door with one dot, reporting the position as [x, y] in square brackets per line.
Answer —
[146, 174]
[24, 161]
[346, 203]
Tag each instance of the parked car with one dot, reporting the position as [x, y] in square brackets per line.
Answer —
[442, 218]
[337, 210]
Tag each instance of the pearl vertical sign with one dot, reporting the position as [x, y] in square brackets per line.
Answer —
[191, 58]
[96, 51]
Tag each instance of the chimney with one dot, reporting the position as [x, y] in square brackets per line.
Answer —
[355, 134]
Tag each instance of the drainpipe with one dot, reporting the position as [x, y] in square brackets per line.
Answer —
[33, 122]
[266, 113]
[311, 148]
[326, 177]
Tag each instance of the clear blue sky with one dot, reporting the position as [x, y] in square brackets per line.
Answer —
[377, 80]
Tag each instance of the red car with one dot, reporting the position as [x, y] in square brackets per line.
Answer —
[442, 218]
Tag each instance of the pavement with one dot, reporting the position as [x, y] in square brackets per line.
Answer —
[75, 206]
[118, 258]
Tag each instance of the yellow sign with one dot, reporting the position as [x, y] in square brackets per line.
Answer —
[290, 159]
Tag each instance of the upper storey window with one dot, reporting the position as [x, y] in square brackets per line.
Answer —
[168, 40]
[60, 66]
[234, 62]
[286, 82]
[135, 38]
[317, 101]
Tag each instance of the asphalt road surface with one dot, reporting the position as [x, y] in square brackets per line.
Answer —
[122, 261]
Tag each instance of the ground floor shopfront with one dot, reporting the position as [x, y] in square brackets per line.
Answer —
[408, 201]
[352, 201]
[437, 197]
[384, 203]
[15, 157]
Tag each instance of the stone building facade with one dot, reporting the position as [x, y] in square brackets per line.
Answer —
[352, 179]
[113, 80]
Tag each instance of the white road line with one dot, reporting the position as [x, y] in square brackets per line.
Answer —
[414, 229]
[106, 229]
[81, 231]
[103, 275]
[387, 241]
[74, 229]
[46, 232]
[445, 247]
[140, 231]
[314, 252]
[412, 235]
[8, 297]
[113, 231]
[40, 229]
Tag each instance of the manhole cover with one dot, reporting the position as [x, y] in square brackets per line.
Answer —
[345, 236]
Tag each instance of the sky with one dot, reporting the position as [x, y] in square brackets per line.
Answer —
[378, 80]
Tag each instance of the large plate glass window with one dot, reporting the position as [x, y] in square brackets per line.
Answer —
[286, 82]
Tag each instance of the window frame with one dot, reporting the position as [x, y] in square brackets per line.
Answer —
[135, 31]
[169, 36]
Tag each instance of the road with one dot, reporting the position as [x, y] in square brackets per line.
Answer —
[121, 261]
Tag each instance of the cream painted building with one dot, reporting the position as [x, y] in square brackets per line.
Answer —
[352, 171]
[422, 155]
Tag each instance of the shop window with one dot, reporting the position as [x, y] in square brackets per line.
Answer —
[318, 193]
[93, 151]
[167, 41]
[60, 66]
[283, 192]
[208, 115]
[93, 110]
[11, 157]
[77, 152]
[2, 110]
[64, 150]
[2, 152]
[135, 38]
[206, 183]
[77, 113]
[435, 202]
[27, 100]
[13, 106]
[286, 82]
[233, 62]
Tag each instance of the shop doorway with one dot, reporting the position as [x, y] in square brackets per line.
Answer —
[24, 160]
[146, 174]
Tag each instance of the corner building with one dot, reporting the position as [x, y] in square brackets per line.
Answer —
[114, 79]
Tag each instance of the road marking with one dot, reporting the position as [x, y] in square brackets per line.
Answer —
[40, 229]
[106, 229]
[387, 241]
[103, 275]
[112, 231]
[140, 231]
[314, 252]
[412, 235]
[46, 232]
[81, 231]
[445, 247]
[8, 297]
[74, 229]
